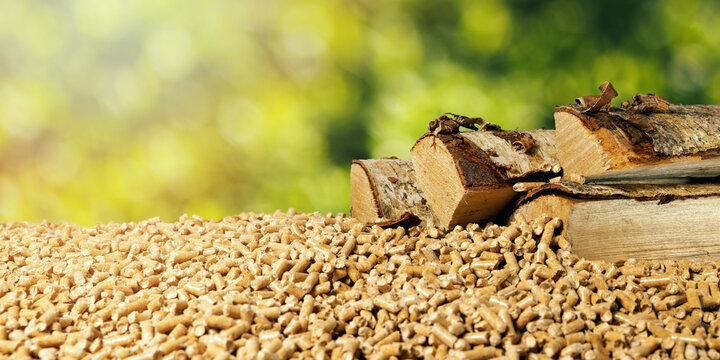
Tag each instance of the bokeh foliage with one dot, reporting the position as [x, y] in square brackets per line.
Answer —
[122, 110]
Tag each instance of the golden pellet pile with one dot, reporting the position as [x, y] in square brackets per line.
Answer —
[293, 285]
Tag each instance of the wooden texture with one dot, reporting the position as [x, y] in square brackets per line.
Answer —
[468, 177]
[385, 189]
[624, 191]
[677, 173]
[615, 223]
[622, 138]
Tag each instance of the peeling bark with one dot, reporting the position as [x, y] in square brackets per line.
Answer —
[595, 103]
[406, 220]
[641, 192]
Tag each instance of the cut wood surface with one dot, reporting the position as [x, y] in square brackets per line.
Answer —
[615, 223]
[468, 177]
[385, 189]
[677, 137]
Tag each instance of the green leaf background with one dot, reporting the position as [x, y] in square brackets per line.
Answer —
[123, 110]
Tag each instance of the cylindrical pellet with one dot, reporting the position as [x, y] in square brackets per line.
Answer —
[493, 319]
[442, 334]
[169, 323]
[219, 322]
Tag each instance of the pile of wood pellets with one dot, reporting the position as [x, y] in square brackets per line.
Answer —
[293, 285]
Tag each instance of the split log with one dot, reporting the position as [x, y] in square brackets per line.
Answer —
[468, 176]
[618, 222]
[622, 145]
[385, 189]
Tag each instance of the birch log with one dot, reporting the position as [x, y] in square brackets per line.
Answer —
[624, 145]
[385, 189]
[468, 176]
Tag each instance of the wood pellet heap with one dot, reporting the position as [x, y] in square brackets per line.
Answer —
[292, 285]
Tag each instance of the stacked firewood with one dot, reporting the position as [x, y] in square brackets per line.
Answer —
[646, 149]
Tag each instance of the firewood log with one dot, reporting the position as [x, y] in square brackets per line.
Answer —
[468, 176]
[648, 141]
[385, 189]
[621, 221]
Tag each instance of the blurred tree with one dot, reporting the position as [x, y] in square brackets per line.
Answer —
[123, 110]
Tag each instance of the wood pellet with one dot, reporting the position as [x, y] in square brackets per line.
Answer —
[295, 285]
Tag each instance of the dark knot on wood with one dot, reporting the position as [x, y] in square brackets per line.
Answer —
[524, 143]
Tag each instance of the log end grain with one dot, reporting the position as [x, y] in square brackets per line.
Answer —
[363, 200]
[386, 189]
[452, 200]
[438, 177]
[579, 151]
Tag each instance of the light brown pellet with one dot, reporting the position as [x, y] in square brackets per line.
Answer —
[656, 281]
[237, 330]
[121, 340]
[151, 354]
[219, 321]
[573, 327]
[647, 346]
[553, 347]
[479, 353]
[195, 288]
[8, 346]
[477, 338]
[693, 299]
[169, 323]
[386, 303]
[172, 345]
[183, 256]
[493, 319]
[442, 334]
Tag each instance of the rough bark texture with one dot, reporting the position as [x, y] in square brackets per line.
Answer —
[385, 189]
[614, 223]
[618, 139]
[468, 177]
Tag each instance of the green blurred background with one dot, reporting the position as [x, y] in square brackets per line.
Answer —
[124, 110]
